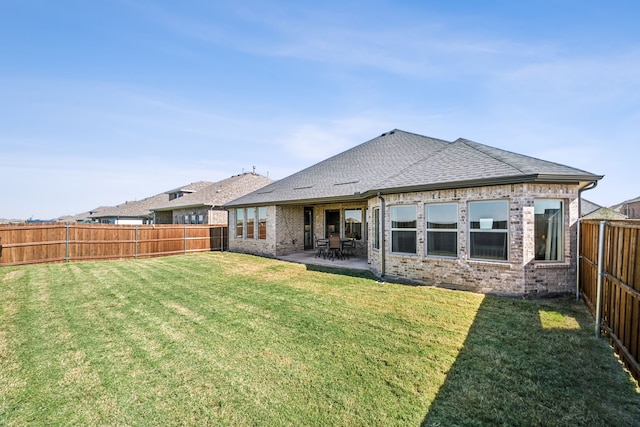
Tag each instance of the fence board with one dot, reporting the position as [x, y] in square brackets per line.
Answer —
[57, 242]
[620, 284]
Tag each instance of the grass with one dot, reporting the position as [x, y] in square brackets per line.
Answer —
[230, 339]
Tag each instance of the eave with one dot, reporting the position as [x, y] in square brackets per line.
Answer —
[579, 180]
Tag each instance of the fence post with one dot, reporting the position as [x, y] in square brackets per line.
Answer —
[66, 243]
[135, 248]
[185, 238]
[600, 274]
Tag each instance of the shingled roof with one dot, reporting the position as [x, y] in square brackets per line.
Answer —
[399, 161]
[217, 193]
[132, 209]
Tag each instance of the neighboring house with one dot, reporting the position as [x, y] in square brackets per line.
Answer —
[430, 211]
[130, 213]
[194, 187]
[84, 216]
[630, 208]
[592, 210]
[205, 205]
[139, 211]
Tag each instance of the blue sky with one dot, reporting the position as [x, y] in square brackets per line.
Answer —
[103, 102]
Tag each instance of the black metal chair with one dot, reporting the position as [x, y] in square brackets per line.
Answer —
[349, 248]
[321, 247]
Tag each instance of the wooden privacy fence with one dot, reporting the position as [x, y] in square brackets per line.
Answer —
[617, 268]
[59, 242]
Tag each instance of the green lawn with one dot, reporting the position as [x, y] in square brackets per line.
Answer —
[230, 339]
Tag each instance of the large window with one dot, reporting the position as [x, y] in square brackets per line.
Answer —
[353, 223]
[376, 228]
[442, 230]
[240, 223]
[489, 230]
[548, 230]
[404, 229]
[251, 223]
[262, 223]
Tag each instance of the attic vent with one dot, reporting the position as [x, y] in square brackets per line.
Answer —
[303, 188]
[345, 183]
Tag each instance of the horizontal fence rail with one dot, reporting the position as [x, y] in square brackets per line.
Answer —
[620, 277]
[59, 242]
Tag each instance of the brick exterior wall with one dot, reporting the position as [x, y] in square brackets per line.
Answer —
[264, 247]
[211, 217]
[285, 235]
[319, 213]
[520, 275]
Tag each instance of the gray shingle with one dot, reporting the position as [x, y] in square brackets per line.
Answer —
[217, 193]
[398, 161]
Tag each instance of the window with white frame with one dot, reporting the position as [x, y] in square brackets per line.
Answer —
[442, 230]
[548, 230]
[376, 228]
[489, 230]
[404, 231]
[262, 223]
[251, 223]
[239, 223]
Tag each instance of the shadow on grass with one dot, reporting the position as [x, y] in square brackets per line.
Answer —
[363, 274]
[534, 363]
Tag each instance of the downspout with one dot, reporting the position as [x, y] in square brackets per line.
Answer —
[382, 242]
[591, 186]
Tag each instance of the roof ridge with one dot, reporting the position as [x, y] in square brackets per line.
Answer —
[473, 145]
[377, 185]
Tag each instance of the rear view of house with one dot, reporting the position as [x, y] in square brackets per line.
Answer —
[459, 213]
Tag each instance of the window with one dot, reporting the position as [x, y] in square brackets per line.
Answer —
[376, 228]
[442, 230]
[200, 219]
[353, 223]
[332, 222]
[404, 229]
[262, 223]
[239, 223]
[186, 219]
[251, 219]
[548, 230]
[489, 230]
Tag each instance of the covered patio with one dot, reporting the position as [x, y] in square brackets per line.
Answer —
[308, 257]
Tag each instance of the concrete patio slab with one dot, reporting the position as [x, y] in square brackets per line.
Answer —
[309, 258]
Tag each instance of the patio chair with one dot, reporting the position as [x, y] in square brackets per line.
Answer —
[349, 248]
[321, 247]
[335, 247]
